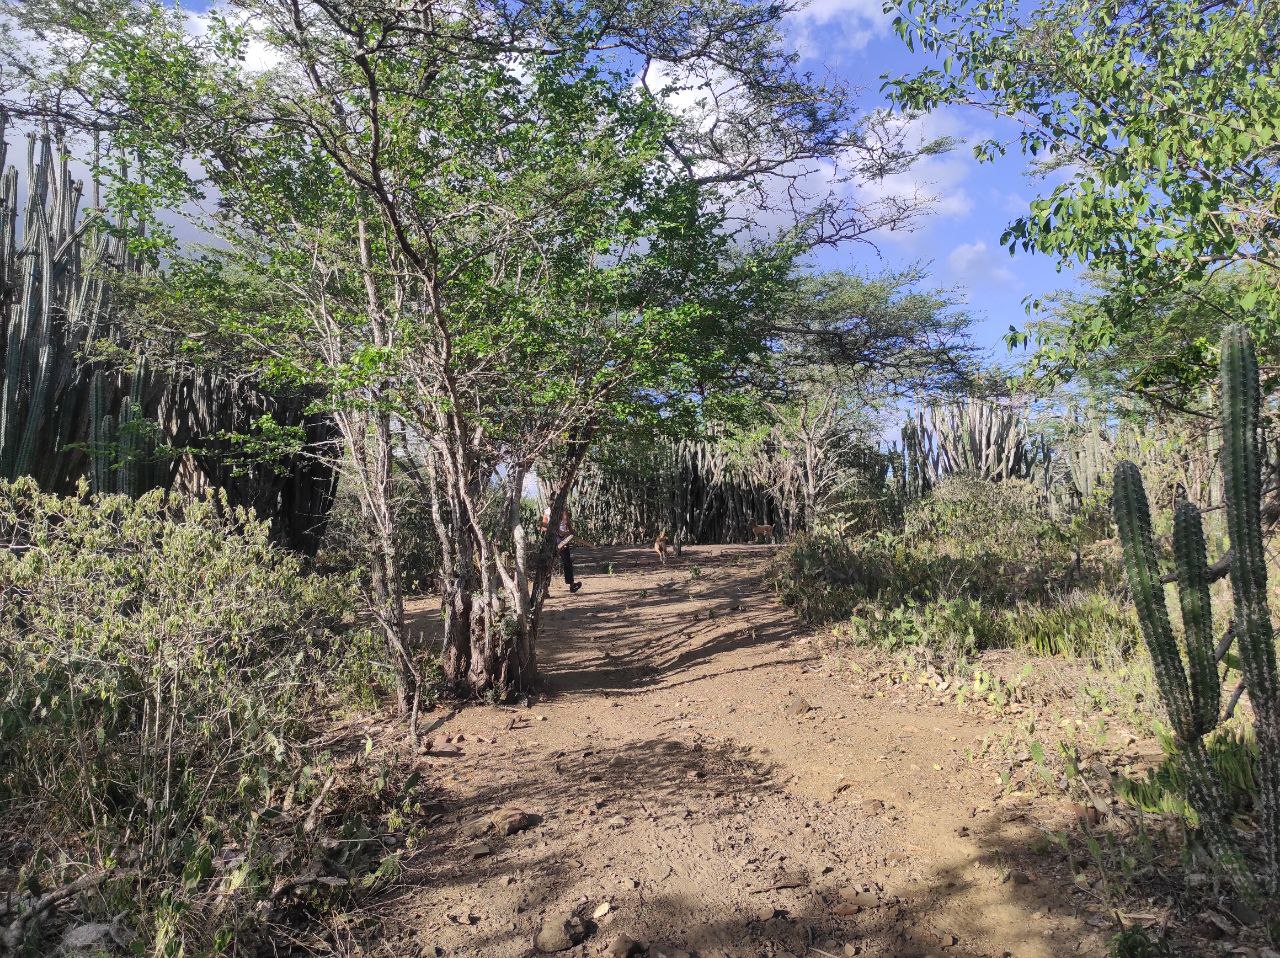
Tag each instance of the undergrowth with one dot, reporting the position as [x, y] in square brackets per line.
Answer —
[163, 669]
[973, 566]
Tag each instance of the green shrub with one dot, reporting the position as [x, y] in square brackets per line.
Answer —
[1081, 624]
[1163, 789]
[976, 565]
[956, 627]
[991, 540]
[1136, 942]
[158, 674]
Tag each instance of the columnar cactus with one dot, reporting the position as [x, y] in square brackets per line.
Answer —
[1242, 457]
[1191, 693]
[975, 436]
[52, 299]
[1192, 705]
[63, 415]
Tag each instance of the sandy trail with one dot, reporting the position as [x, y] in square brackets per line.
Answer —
[696, 766]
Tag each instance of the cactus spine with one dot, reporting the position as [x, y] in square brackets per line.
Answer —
[1192, 693]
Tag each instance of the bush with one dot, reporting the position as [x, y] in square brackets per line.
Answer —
[975, 565]
[158, 674]
[956, 627]
[992, 540]
[347, 542]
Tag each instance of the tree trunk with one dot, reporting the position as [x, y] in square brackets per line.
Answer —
[368, 440]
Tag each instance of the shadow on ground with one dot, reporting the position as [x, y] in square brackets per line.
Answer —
[695, 843]
[610, 819]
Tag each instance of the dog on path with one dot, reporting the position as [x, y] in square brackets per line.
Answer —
[759, 532]
[661, 545]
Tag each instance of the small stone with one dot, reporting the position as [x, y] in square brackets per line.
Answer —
[798, 706]
[478, 828]
[616, 822]
[765, 912]
[856, 899]
[625, 947]
[508, 821]
[443, 748]
[95, 935]
[1018, 878]
[1244, 913]
[1084, 814]
[559, 932]
[602, 909]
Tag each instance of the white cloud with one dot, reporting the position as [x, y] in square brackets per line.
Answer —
[975, 263]
[822, 27]
[1015, 204]
[258, 55]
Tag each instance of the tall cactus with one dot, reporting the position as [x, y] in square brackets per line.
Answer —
[1192, 708]
[122, 448]
[1191, 692]
[1242, 457]
[64, 414]
[977, 436]
[53, 300]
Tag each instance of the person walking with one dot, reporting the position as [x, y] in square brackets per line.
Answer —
[565, 538]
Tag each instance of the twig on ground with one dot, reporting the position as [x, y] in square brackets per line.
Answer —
[11, 937]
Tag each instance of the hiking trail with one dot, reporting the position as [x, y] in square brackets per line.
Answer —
[698, 780]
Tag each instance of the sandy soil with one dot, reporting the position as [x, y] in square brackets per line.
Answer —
[697, 779]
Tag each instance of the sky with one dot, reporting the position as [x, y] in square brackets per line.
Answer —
[959, 243]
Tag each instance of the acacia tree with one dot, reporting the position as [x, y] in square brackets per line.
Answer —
[485, 238]
[844, 348]
[1161, 119]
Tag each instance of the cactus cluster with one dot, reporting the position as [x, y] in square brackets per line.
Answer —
[66, 413]
[53, 307]
[122, 449]
[973, 436]
[1190, 687]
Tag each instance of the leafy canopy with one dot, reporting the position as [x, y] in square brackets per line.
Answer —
[1160, 120]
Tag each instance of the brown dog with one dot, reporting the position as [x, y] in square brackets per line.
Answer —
[762, 531]
[661, 545]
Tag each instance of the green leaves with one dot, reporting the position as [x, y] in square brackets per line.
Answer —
[1162, 115]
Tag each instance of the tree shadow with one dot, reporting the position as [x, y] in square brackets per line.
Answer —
[685, 626]
[629, 825]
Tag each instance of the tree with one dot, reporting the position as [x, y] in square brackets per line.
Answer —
[1162, 119]
[1157, 354]
[845, 347]
[480, 237]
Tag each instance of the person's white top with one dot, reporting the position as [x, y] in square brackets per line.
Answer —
[564, 520]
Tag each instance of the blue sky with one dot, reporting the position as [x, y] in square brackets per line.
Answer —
[959, 242]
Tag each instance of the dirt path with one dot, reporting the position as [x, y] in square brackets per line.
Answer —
[696, 768]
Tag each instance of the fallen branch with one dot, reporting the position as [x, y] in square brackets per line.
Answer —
[20, 927]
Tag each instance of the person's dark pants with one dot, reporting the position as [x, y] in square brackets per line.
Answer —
[566, 564]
